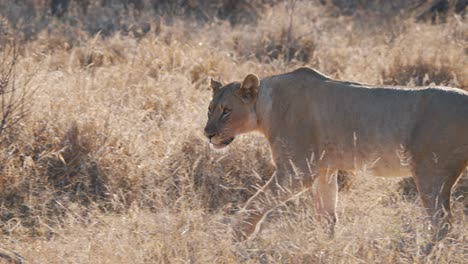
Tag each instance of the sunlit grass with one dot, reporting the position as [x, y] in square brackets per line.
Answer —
[111, 166]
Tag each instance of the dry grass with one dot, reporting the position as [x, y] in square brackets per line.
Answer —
[111, 165]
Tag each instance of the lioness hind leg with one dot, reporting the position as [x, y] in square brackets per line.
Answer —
[325, 192]
[434, 181]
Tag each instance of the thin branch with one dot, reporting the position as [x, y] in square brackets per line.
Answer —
[14, 97]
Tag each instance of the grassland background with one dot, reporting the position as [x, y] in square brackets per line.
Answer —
[110, 165]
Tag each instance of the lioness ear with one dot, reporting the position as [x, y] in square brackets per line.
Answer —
[215, 85]
[249, 87]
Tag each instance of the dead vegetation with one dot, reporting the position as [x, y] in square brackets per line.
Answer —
[110, 165]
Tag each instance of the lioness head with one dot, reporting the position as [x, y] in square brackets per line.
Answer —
[231, 111]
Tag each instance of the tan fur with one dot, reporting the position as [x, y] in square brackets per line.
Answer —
[316, 126]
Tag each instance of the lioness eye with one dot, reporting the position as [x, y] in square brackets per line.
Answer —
[225, 113]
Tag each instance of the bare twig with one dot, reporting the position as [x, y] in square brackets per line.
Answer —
[13, 97]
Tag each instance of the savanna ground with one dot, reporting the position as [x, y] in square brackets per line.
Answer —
[104, 160]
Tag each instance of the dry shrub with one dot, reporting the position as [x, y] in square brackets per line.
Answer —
[420, 9]
[200, 72]
[213, 181]
[96, 55]
[273, 48]
[28, 18]
[61, 171]
[424, 72]
[57, 171]
[433, 59]
[6, 31]
[288, 40]
[73, 168]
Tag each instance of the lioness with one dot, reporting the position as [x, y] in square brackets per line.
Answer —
[316, 125]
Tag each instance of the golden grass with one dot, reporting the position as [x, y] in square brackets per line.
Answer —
[111, 166]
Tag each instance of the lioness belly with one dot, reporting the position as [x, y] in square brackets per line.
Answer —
[391, 163]
[388, 169]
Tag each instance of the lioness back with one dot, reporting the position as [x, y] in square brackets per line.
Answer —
[352, 122]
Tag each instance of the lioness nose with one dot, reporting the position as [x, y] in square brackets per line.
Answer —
[209, 134]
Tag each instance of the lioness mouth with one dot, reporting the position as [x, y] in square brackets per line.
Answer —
[228, 141]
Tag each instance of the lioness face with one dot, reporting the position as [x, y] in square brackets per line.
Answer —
[231, 111]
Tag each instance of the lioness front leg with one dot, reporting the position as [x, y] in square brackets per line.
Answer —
[325, 194]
